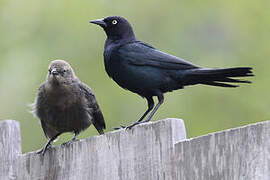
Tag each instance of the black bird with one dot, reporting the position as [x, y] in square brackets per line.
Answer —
[142, 69]
[64, 104]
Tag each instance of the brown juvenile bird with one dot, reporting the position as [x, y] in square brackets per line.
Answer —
[64, 104]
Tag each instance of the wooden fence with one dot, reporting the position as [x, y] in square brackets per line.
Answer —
[152, 151]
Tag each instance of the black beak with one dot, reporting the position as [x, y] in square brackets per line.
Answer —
[99, 22]
[54, 72]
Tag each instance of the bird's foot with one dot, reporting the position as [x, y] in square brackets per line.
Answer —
[121, 127]
[136, 123]
[43, 150]
[125, 127]
[39, 151]
[132, 125]
[68, 142]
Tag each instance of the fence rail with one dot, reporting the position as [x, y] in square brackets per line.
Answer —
[151, 151]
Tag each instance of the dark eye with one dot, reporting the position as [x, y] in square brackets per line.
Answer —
[114, 22]
[65, 70]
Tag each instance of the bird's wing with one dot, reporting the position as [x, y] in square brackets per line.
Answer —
[141, 54]
[98, 119]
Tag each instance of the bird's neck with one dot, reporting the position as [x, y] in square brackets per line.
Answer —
[116, 41]
[55, 87]
[126, 36]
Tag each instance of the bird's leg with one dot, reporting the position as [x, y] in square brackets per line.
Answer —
[73, 139]
[150, 102]
[160, 101]
[48, 145]
[150, 107]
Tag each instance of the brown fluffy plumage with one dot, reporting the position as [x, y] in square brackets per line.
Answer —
[64, 104]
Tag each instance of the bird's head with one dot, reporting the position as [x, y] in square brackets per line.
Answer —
[116, 27]
[60, 73]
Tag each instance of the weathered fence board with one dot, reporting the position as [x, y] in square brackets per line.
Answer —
[151, 151]
[236, 154]
[10, 148]
[143, 152]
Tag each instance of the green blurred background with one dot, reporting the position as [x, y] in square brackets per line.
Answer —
[209, 33]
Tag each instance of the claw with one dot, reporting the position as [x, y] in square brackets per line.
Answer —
[43, 150]
[69, 142]
[39, 151]
[132, 125]
[48, 145]
[121, 127]
[66, 143]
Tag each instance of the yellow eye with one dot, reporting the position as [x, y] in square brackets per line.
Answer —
[114, 22]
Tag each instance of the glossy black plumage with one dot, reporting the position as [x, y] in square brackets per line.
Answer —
[142, 69]
[64, 104]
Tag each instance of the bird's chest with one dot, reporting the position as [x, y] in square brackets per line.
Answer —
[113, 66]
[116, 68]
[61, 98]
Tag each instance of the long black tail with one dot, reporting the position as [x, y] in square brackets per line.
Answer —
[217, 77]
